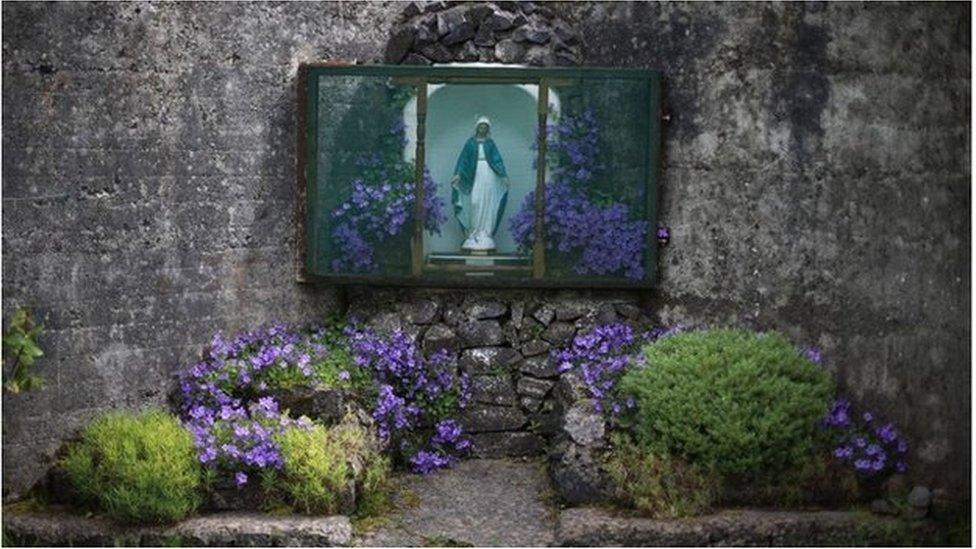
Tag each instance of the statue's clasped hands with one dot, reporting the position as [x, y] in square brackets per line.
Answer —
[505, 182]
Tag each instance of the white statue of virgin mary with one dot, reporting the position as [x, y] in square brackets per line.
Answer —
[480, 189]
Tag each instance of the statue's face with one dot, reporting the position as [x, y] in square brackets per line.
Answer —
[482, 129]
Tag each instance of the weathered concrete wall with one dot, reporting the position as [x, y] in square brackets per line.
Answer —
[817, 181]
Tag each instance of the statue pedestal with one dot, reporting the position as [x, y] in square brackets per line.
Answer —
[479, 264]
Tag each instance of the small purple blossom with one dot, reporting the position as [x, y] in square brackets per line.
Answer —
[869, 448]
[663, 234]
[240, 478]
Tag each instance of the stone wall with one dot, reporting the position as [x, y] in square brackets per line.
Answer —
[816, 180]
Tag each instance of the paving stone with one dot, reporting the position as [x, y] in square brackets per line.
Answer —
[479, 502]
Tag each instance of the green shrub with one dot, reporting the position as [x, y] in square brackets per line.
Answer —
[138, 468]
[325, 466]
[740, 402]
[659, 485]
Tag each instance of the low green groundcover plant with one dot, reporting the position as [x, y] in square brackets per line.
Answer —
[734, 401]
[140, 468]
[324, 465]
[658, 484]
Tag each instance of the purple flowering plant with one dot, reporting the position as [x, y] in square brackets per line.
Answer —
[600, 356]
[380, 205]
[224, 397]
[596, 233]
[416, 397]
[874, 449]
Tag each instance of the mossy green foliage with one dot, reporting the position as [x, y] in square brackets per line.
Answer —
[139, 468]
[731, 400]
[657, 484]
[20, 351]
[325, 464]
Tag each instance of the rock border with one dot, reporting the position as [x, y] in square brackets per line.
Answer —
[588, 526]
[60, 528]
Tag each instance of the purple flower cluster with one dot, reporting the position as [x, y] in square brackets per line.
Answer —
[600, 356]
[599, 229]
[232, 425]
[873, 449]
[381, 205]
[379, 210]
[414, 390]
[607, 240]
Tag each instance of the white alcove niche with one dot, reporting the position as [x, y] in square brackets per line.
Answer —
[452, 110]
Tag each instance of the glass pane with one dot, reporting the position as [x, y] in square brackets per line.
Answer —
[480, 152]
[598, 215]
[362, 203]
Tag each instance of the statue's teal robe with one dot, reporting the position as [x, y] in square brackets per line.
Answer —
[467, 163]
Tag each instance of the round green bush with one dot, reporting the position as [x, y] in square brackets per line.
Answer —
[138, 468]
[733, 400]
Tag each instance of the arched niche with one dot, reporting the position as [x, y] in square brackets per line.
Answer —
[452, 110]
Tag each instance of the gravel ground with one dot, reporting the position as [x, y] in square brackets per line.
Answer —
[479, 502]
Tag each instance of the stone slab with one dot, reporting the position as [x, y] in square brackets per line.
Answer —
[61, 528]
[588, 526]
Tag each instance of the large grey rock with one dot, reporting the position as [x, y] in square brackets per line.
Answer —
[499, 21]
[535, 347]
[597, 527]
[538, 366]
[919, 500]
[920, 497]
[540, 56]
[437, 52]
[489, 360]
[485, 309]
[480, 333]
[493, 389]
[479, 418]
[570, 389]
[421, 311]
[577, 474]
[507, 444]
[570, 310]
[389, 322]
[583, 424]
[323, 404]
[544, 314]
[233, 529]
[530, 404]
[484, 37]
[399, 44]
[464, 31]
[628, 310]
[559, 334]
[449, 21]
[439, 337]
[532, 387]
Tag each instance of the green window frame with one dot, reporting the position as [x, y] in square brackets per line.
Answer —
[546, 78]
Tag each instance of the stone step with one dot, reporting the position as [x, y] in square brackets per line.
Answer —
[58, 527]
[591, 527]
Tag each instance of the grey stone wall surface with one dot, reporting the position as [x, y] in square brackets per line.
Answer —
[816, 179]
